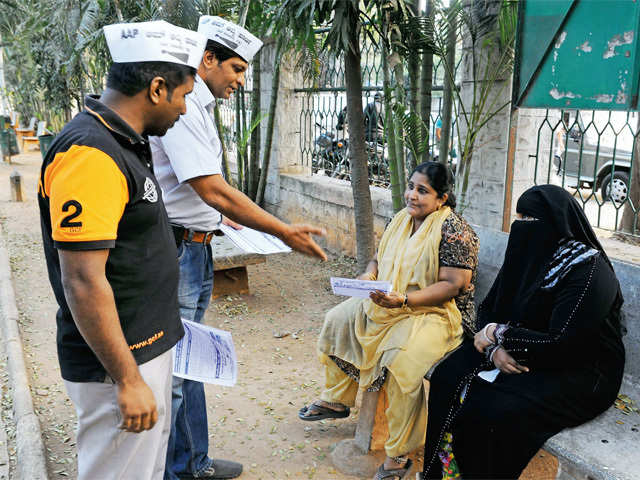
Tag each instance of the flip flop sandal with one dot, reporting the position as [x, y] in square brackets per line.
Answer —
[394, 473]
[322, 413]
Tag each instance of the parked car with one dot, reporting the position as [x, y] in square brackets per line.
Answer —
[593, 165]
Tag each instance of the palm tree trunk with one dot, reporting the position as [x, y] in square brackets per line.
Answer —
[426, 85]
[239, 158]
[243, 130]
[398, 70]
[118, 10]
[413, 71]
[447, 94]
[254, 162]
[396, 188]
[273, 102]
[243, 14]
[363, 210]
[225, 155]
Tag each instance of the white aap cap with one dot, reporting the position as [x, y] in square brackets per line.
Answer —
[230, 35]
[157, 41]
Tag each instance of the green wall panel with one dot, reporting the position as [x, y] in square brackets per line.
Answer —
[578, 54]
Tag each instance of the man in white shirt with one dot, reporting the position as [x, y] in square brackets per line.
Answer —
[188, 167]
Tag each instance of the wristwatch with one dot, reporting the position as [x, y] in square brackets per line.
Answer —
[405, 302]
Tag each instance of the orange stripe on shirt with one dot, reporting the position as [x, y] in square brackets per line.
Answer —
[87, 195]
[96, 114]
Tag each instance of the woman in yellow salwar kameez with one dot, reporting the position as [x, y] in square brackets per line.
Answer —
[429, 254]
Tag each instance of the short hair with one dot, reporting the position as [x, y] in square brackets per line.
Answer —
[132, 77]
[221, 52]
[440, 178]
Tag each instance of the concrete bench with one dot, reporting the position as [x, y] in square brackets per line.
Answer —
[230, 266]
[607, 448]
[30, 140]
[26, 131]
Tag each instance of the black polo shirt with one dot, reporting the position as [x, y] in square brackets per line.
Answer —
[97, 190]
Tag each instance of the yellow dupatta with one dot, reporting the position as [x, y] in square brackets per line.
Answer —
[377, 335]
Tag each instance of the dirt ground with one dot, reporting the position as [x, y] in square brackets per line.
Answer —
[254, 422]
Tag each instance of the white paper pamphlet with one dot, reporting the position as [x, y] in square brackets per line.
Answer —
[489, 375]
[205, 354]
[352, 287]
[253, 241]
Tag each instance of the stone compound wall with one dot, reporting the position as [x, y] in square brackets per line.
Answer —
[328, 203]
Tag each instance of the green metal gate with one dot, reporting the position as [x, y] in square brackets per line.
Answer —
[590, 152]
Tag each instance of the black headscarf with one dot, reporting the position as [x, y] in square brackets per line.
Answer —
[531, 246]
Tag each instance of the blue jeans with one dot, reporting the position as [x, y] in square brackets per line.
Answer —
[188, 448]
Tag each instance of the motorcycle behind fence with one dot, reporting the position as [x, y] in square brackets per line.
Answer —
[330, 154]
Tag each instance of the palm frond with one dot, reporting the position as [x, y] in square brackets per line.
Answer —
[413, 128]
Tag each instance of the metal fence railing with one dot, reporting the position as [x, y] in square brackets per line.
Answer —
[591, 154]
[324, 137]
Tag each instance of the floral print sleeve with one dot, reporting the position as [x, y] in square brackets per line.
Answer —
[459, 249]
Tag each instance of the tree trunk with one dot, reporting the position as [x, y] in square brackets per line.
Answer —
[413, 70]
[398, 70]
[118, 10]
[254, 162]
[426, 84]
[273, 102]
[363, 210]
[243, 14]
[629, 222]
[243, 134]
[225, 154]
[396, 188]
[239, 159]
[447, 94]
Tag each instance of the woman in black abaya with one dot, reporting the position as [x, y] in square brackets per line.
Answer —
[551, 326]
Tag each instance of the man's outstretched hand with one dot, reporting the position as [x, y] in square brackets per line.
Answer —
[298, 237]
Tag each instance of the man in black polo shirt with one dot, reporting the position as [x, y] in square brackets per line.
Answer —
[111, 255]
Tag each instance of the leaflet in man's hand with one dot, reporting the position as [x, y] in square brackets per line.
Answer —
[352, 287]
[205, 354]
[253, 241]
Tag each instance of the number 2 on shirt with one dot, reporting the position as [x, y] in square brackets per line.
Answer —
[77, 210]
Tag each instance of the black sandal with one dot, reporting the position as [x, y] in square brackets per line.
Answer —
[322, 413]
[394, 473]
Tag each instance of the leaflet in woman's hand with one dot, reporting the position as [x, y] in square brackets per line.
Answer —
[489, 375]
[352, 287]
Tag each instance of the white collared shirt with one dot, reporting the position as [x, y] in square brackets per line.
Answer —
[191, 148]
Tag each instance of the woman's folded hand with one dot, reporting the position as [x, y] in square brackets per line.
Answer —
[482, 339]
[387, 300]
[506, 363]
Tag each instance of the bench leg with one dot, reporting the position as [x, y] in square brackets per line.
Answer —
[354, 456]
[231, 280]
[366, 420]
